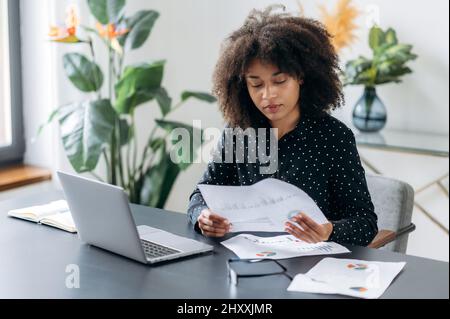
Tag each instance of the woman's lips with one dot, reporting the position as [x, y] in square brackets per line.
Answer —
[273, 108]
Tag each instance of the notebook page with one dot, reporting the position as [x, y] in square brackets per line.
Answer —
[35, 213]
[60, 220]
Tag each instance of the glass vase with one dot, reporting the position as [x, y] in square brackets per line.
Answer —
[369, 113]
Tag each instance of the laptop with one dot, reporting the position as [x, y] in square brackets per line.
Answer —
[103, 218]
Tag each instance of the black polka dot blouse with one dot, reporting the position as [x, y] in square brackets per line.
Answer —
[319, 156]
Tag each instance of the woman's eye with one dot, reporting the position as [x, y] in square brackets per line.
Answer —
[260, 85]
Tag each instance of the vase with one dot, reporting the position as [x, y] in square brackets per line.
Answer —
[369, 113]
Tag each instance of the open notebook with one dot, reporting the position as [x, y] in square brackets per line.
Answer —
[55, 214]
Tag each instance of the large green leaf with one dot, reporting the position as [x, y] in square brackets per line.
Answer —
[183, 159]
[385, 67]
[107, 11]
[140, 26]
[84, 74]
[158, 182]
[387, 79]
[400, 52]
[391, 36]
[354, 68]
[387, 64]
[86, 128]
[378, 54]
[366, 77]
[126, 132]
[393, 75]
[198, 95]
[376, 37]
[164, 100]
[138, 84]
[157, 143]
[50, 119]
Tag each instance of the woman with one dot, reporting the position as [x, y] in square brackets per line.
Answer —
[279, 71]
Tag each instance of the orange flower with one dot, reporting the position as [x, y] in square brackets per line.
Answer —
[67, 34]
[110, 31]
[341, 23]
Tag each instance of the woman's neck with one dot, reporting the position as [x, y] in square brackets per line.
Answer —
[288, 123]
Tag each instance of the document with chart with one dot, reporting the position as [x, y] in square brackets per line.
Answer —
[263, 206]
[247, 246]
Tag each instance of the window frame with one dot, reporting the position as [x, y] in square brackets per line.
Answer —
[14, 152]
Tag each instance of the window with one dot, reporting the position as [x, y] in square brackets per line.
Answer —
[11, 127]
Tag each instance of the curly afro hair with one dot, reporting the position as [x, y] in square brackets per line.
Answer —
[298, 46]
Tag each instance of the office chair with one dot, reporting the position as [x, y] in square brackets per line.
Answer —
[393, 201]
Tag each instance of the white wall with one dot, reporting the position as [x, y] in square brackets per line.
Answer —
[39, 94]
[188, 34]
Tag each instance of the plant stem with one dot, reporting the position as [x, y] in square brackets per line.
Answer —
[141, 168]
[113, 157]
[144, 154]
[119, 154]
[135, 145]
[175, 107]
[131, 179]
[122, 58]
[108, 172]
[97, 80]
[110, 74]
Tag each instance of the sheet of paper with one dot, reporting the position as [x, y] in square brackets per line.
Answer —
[263, 206]
[352, 277]
[247, 246]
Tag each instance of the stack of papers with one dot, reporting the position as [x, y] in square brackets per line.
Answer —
[351, 277]
[247, 246]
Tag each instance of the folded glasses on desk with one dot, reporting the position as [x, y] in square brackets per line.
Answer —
[239, 268]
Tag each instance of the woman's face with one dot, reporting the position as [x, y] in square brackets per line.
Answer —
[274, 93]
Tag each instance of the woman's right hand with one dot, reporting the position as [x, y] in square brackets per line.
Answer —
[212, 225]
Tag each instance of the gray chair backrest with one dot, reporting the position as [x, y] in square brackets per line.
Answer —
[393, 201]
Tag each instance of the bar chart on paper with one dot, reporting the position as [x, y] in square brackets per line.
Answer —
[279, 247]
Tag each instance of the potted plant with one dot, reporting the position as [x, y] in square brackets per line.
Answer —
[388, 64]
[103, 127]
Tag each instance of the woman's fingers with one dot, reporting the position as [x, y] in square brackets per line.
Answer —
[213, 225]
[311, 232]
[214, 229]
[210, 234]
[213, 218]
[311, 223]
[300, 234]
[219, 220]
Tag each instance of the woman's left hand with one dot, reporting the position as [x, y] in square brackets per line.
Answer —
[312, 232]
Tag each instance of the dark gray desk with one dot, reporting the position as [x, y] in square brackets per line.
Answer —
[33, 261]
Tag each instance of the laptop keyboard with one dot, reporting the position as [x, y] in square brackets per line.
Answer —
[153, 250]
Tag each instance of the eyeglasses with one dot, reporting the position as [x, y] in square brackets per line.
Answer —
[238, 268]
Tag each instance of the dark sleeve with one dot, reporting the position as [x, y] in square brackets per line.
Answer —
[217, 173]
[355, 221]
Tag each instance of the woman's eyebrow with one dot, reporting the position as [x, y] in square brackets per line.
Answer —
[257, 77]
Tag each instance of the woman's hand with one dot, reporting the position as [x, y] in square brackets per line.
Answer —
[212, 225]
[312, 232]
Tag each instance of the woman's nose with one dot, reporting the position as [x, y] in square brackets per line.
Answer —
[268, 92]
